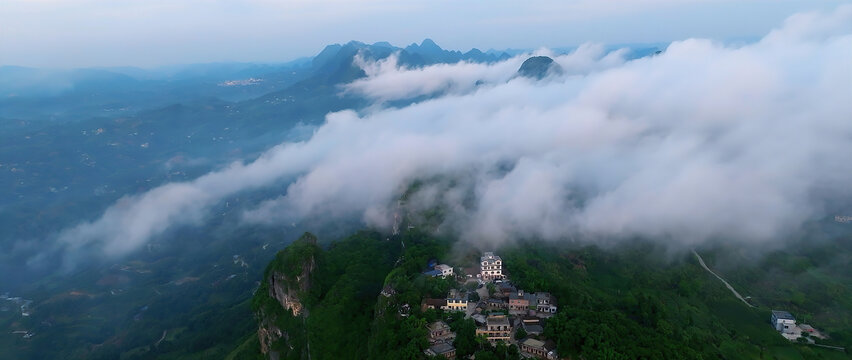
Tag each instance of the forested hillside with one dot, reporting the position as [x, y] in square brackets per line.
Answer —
[638, 301]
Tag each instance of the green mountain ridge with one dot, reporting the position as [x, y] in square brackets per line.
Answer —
[634, 302]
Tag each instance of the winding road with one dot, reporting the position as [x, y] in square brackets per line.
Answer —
[701, 261]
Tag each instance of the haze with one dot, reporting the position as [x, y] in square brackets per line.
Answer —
[67, 34]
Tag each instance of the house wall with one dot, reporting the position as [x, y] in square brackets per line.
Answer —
[539, 353]
[785, 325]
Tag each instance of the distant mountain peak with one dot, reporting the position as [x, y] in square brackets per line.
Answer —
[539, 67]
[429, 44]
[383, 44]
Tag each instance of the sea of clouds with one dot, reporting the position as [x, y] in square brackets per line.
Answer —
[702, 141]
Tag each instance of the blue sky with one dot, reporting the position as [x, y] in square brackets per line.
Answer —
[79, 33]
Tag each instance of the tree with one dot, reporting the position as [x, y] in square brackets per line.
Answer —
[465, 342]
[520, 333]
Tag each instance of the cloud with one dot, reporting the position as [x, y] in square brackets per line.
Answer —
[388, 81]
[700, 142]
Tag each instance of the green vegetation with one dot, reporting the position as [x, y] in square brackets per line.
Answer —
[341, 296]
[630, 303]
[635, 302]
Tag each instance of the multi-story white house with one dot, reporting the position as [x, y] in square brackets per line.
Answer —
[490, 266]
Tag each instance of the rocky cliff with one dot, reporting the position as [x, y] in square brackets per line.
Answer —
[279, 303]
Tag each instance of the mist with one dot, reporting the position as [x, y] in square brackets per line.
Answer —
[700, 142]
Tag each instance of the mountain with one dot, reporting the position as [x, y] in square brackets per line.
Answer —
[539, 67]
[430, 53]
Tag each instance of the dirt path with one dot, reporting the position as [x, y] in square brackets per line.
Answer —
[161, 338]
[701, 261]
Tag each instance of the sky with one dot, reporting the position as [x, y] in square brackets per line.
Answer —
[149, 33]
[702, 142]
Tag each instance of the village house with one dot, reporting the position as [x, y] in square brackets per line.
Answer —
[545, 304]
[490, 266]
[439, 331]
[783, 321]
[497, 304]
[429, 303]
[445, 349]
[496, 328]
[506, 288]
[538, 349]
[456, 300]
[539, 304]
[444, 270]
[520, 301]
[530, 324]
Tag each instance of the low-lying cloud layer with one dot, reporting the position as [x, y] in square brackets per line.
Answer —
[387, 81]
[702, 141]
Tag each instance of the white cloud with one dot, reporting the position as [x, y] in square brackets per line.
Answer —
[387, 80]
[700, 142]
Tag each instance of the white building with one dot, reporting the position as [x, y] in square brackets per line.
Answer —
[545, 303]
[446, 270]
[490, 266]
[783, 321]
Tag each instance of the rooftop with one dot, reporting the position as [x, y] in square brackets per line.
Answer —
[489, 256]
[507, 286]
[435, 302]
[432, 273]
[534, 343]
[499, 320]
[441, 348]
[438, 325]
[533, 329]
[780, 314]
[455, 294]
[523, 295]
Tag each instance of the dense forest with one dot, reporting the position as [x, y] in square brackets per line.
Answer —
[638, 301]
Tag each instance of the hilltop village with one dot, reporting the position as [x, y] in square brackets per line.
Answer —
[502, 311]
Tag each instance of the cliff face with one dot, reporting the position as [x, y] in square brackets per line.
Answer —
[280, 301]
[281, 289]
[311, 301]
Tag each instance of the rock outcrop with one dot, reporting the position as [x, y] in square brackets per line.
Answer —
[280, 301]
